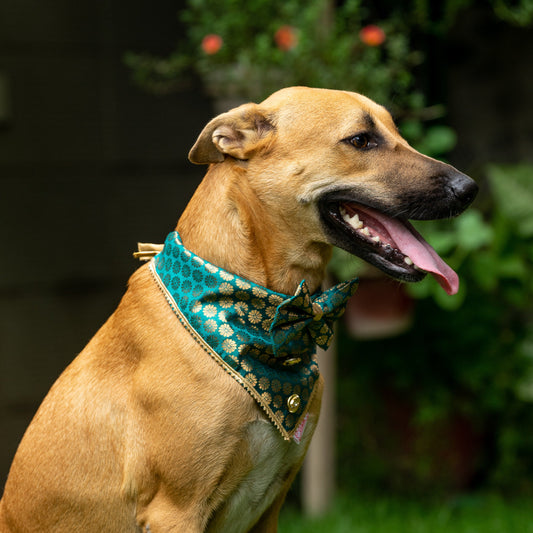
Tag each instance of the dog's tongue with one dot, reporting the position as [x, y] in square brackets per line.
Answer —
[412, 244]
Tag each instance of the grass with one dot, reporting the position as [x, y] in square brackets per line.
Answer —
[466, 514]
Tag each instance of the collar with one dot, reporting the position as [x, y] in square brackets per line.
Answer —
[265, 340]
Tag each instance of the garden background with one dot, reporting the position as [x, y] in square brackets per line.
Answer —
[99, 104]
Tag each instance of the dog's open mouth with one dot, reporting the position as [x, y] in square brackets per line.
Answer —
[391, 244]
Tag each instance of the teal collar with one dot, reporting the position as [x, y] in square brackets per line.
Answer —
[263, 339]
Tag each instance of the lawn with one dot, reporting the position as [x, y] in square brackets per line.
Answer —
[465, 514]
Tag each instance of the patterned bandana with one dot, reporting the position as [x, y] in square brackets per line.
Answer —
[263, 339]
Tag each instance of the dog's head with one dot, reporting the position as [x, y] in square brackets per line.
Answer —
[336, 161]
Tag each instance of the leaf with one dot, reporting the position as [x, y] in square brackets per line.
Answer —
[513, 267]
[440, 234]
[437, 141]
[453, 302]
[472, 231]
[345, 265]
[512, 188]
[485, 270]
[443, 242]
[421, 289]
[429, 287]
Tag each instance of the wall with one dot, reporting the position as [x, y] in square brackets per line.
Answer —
[488, 82]
[89, 165]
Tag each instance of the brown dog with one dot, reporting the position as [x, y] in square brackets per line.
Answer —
[144, 432]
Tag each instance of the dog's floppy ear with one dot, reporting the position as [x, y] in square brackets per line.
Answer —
[236, 133]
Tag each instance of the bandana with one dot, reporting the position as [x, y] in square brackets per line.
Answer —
[265, 340]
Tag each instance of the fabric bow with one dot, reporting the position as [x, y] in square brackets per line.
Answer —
[305, 315]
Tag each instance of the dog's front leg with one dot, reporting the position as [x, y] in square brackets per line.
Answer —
[162, 516]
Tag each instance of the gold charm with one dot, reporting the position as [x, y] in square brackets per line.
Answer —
[292, 361]
[293, 403]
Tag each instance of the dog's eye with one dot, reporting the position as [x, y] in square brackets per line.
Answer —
[361, 140]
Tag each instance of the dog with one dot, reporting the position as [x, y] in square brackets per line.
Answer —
[146, 430]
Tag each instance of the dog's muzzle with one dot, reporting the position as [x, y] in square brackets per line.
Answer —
[370, 230]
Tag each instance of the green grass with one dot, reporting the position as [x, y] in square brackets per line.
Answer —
[466, 514]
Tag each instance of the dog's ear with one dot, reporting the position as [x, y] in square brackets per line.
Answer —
[237, 133]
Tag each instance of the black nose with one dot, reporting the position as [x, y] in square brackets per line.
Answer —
[462, 190]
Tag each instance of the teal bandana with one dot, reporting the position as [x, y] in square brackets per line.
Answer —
[263, 339]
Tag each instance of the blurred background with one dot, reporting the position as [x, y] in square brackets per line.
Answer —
[99, 105]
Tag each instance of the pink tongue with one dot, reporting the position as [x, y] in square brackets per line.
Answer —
[412, 244]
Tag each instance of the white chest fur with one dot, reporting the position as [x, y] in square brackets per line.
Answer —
[273, 458]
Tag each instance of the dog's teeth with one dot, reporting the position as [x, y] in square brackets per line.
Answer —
[408, 260]
[365, 231]
[376, 239]
[355, 222]
[345, 216]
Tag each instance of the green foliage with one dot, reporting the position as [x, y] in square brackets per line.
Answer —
[327, 51]
[519, 13]
[512, 187]
[327, 48]
[516, 12]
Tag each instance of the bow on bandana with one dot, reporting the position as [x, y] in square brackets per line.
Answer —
[305, 314]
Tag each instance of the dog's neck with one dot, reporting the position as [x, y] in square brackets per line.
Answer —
[227, 224]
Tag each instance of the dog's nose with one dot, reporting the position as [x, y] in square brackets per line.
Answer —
[463, 189]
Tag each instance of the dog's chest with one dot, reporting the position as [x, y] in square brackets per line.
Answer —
[273, 459]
